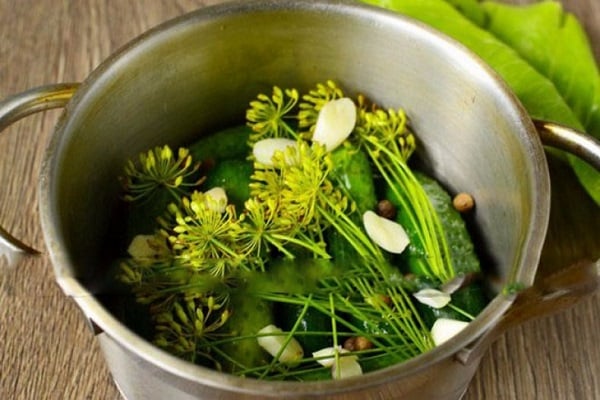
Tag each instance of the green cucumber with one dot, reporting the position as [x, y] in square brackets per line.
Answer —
[141, 217]
[233, 175]
[471, 299]
[225, 144]
[352, 171]
[291, 276]
[461, 248]
[249, 315]
[379, 361]
[314, 329]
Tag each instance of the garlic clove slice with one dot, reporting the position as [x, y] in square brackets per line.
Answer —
[326, 356]
[335, 122]
[264, 149]
[387, 234]
[433, 297]
[216, 199]
[454, 284]
[273, 340]
[444, 329]
[346, 367]
[148, 248]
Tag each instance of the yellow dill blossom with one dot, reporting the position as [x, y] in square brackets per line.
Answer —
[267, 115]
[187, 326]
[203, 237]
[314, 100]
[387, 128]
[159, 168]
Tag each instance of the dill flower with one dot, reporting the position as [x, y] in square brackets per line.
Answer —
[267, 115]
[294, 194]
[205, 238]
[186, 328]
[387, 128]
[313, 102]
[159, 168]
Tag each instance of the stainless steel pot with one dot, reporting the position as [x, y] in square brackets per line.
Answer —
[196, 74]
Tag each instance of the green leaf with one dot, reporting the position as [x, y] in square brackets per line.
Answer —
[556, 45]
[567, 100]
[471, 9]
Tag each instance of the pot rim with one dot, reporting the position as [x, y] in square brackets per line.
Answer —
[524, 273]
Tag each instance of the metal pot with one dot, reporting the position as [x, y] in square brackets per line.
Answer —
[197, 73]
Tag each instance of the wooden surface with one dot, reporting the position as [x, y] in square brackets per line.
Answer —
[47, 350]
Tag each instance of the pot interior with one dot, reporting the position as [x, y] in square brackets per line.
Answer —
[198, 73]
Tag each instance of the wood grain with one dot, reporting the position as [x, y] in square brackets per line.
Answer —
[48, 351]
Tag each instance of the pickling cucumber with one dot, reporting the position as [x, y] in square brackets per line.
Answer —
[352, 171]
[225, 144]
[141, 216]
[233, 175]
[314, 328]
[471, 299]
[461, 248]
[249, 315]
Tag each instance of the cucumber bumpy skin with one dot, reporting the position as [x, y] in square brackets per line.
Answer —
[461, 248]
[312, 321]
[352, 171]
[230, 143]
[249, 315]
[233, 175]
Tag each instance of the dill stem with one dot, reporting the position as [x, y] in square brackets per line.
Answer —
[418, 332]
[288, 338]
[336, 354]
[351, 232]
[461, 311]
[396, 172]
[309, 245]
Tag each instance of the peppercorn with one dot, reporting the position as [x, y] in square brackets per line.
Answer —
[386, 209]
[357, 343]
[463, 202]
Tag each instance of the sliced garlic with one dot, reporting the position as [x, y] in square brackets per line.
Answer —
[346, 367]
[265, 149]
[444, 329]
[454, 284]
[148, 248]
[433, 297]
[335, 122]
[326, 356]
[216, 199]
[386, 233]
[273, 341]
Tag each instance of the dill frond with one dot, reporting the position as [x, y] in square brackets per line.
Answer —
[159, 168]
[267, 114]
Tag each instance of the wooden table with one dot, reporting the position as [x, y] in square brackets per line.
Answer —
[48, 351]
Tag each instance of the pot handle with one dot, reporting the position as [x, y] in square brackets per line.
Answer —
[13, 109]
[577, 143]
[562, 289]
[557, 292]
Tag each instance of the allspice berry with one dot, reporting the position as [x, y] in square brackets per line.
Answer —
[463, 202]
[357, 343]
[362, 343]
[386, 209]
